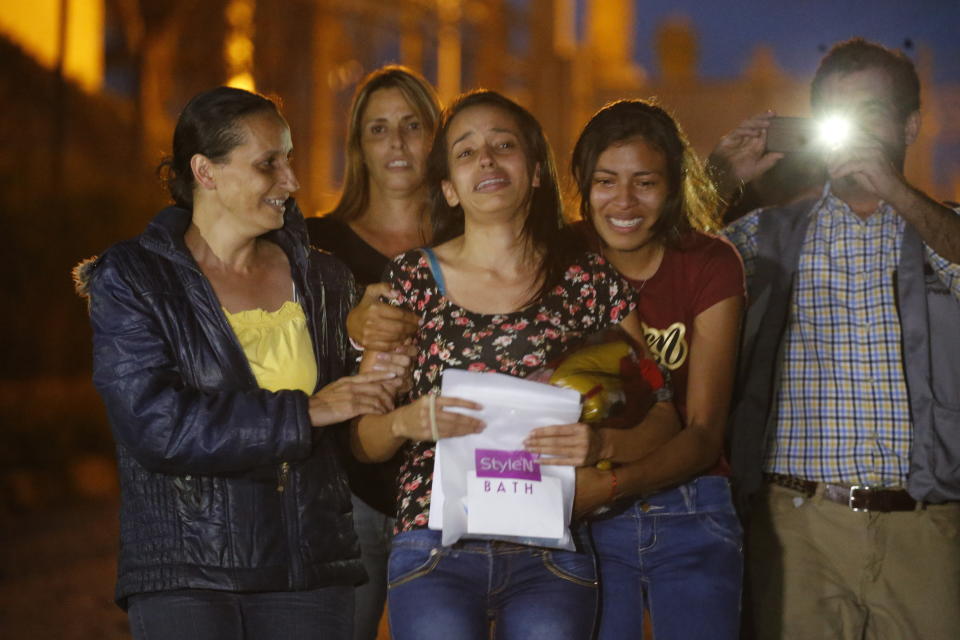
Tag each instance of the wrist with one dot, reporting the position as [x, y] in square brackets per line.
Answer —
[396, 427]
[614, 486]
[605, 450]
[728, 185]
[394, 422]
[904, 198]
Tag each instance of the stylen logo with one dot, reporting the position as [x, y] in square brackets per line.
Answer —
[495, 463]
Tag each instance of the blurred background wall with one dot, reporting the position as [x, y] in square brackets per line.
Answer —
[92, 89]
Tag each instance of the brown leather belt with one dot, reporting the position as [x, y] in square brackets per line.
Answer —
[857, 497]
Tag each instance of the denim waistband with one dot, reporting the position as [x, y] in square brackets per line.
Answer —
[430, 539]
[705, 493]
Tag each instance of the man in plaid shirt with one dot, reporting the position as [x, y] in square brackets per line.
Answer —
[846, 433]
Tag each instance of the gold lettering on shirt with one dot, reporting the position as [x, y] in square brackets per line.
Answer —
[667, 346]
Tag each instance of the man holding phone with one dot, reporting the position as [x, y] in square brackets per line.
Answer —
[845, 442]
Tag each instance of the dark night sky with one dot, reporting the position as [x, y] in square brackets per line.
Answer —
[729, 30]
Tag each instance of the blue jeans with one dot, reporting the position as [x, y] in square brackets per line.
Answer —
[199, 614]
[460, 591]
[374, 531]
[679, 554]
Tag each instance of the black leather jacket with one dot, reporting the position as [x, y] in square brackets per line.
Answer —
[224, 485]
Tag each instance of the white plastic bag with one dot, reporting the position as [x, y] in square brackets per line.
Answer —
[485, 485]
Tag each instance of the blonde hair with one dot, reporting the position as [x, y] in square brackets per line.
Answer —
[355, 194]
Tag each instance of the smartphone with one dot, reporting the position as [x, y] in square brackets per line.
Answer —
[790, 135]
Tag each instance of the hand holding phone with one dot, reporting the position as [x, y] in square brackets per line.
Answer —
[791, 135]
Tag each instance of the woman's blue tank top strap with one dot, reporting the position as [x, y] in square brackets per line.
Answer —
[435, 268]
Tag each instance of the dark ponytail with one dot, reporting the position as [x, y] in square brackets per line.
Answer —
[208, 126]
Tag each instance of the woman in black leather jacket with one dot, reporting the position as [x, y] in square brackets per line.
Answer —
[220, 353]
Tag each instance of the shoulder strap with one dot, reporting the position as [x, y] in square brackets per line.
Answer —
[435, 268]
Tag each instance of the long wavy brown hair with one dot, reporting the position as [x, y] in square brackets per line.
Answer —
[355, 194]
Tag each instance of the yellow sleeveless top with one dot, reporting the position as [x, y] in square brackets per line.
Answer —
[278, 346]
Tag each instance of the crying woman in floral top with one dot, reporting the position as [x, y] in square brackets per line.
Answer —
[505, 289]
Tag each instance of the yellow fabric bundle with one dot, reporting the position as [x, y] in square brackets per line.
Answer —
[594, 371]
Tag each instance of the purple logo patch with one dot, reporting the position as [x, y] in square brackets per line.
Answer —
[494, 463]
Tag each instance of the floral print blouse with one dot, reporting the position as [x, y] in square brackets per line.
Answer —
[590, 298]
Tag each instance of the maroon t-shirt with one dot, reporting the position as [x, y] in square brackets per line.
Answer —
[692, 278]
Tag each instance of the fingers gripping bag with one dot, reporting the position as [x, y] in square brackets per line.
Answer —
[486, 485]
[618, 384]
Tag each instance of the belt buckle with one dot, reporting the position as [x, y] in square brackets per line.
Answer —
[857, 487]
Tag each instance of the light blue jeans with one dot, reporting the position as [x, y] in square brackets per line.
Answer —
[679, 553]
[441, 593]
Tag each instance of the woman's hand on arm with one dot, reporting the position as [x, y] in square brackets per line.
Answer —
[397, 361]
[375, 438]
[377, 325]
[351, 396]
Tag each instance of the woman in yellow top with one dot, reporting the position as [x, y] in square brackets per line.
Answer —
[220, 352]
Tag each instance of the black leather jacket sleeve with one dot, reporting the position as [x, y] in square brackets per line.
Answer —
[142, 360]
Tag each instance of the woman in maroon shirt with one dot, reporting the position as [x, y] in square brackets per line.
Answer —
[675, 552]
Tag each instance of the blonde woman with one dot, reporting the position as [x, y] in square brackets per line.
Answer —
[382, 213]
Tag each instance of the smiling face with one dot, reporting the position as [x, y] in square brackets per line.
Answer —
[252, 185]
[394, 143]
[627, 194]
[487, 163]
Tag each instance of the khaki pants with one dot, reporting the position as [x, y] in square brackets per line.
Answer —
[819, 570]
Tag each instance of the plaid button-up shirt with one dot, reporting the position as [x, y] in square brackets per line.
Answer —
[843, 414]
